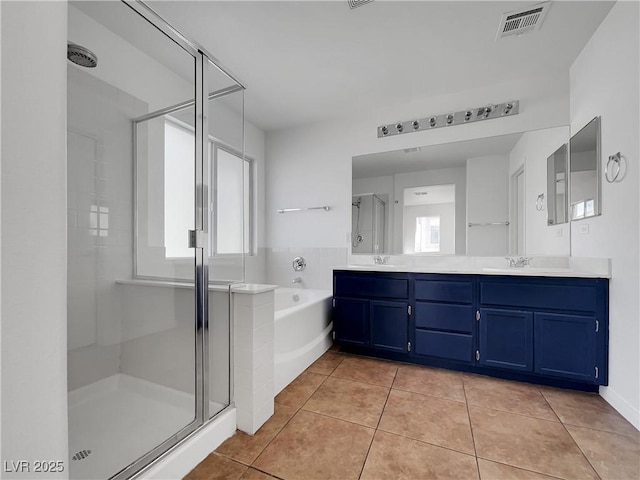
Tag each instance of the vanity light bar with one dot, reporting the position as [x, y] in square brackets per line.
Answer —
[449, 119]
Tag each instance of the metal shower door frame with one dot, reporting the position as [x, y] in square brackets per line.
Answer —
[202, 59]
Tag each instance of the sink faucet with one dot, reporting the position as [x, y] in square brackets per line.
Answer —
[519, 262]
[378, 260]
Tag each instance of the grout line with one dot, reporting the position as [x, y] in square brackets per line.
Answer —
[378, 424]
[396, 434]
[520, 468]
[580, 449]
[473, 438]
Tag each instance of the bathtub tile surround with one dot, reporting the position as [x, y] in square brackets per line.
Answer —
[253, 343]
[408, 435]
[317, 274]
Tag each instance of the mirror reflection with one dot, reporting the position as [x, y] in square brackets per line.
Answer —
[557, 186]
[585, 171]
[474, 197]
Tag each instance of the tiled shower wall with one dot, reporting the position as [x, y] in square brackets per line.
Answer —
[99, 221]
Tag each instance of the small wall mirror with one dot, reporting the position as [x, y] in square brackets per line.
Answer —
[585, 168]
[557, 164]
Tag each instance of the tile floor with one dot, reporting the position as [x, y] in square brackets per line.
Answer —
[350, 417]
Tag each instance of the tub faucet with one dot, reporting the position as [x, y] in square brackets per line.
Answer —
[297, 280]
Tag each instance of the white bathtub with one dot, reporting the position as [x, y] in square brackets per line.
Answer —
[302, 331]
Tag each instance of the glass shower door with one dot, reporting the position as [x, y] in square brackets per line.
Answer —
[134, 311]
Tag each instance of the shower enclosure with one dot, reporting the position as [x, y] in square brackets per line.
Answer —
[155, 156]
[368, 223]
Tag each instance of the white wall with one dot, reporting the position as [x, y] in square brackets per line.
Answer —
[532, 151]
[311, 165]
[33, 256]
[604, 81]
[487, 202]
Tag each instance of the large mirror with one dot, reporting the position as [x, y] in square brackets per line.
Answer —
[557, 191]
[584, 150]
[474, 197]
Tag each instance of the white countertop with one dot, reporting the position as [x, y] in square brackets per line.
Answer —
[541, 266]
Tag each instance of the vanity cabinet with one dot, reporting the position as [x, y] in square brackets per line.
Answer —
[547, 326]
[372, 311]
[550, 330]
[444, 317]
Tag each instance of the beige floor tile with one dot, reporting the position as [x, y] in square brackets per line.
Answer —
[498, 471]
[327, 363]
[253, 474]
[348, 400]
[367, 370]
[298, 392]
[430, 381]
[245, 448]
[313, 446]
[529, 443]
[395, 457]
[587, 410]
[614, 456]
[515, 397]
[216, 467]
[429, 419]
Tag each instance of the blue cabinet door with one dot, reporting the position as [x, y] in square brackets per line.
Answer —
[389, 325]
[565, 346]
[351, 321]
[506, 339]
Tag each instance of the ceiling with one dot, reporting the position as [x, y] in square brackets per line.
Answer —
[446, 155]
[308, 61]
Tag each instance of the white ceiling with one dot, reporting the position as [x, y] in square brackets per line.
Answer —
[446, 155]
[307, 61]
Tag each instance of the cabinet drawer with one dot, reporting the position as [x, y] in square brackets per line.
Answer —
[581, 298]
[371, 286]
[444, 291]
[457, 318]
[453, 346]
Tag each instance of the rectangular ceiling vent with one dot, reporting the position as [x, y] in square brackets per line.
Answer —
[522, 21]
[358, 3]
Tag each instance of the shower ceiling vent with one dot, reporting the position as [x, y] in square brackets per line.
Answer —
[357, 3]
[523, 20]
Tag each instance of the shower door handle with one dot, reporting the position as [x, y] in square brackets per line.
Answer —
[196, 239]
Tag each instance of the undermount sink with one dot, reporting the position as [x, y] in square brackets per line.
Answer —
[525, 270]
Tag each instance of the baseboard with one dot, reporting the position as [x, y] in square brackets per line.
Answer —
[623, 407]
[185, 456]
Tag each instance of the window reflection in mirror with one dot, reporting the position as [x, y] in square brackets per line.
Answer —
[584, 182]
[557, 186]
[429, 214]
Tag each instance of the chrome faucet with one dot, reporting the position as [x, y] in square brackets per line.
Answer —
[378, 260]
[297, 280]
[519, 262]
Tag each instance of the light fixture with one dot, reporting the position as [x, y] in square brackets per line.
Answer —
[469, 115]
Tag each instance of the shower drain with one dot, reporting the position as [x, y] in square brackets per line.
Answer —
[81, 455]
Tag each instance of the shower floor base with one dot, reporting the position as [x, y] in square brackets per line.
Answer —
[119, 419]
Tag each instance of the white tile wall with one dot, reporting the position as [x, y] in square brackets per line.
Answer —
[253, 358]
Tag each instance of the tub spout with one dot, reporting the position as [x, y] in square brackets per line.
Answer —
[297, 280]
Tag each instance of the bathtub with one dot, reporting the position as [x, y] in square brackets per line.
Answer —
[302, 331]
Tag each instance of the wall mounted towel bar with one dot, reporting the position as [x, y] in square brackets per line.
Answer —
[487, 223]
[287, 210]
